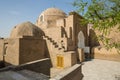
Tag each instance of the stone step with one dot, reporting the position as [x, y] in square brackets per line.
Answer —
[52, 40]
[54, 43]
[56, 46]
[61, 49]
[45, 36]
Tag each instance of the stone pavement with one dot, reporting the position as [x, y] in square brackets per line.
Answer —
[101, 70]
[22, 75]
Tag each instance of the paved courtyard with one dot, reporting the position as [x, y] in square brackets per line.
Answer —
[101, 70]
[22, 75]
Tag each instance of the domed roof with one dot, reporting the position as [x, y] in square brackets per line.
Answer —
[53, 11]
[26, 29]
[49, 17]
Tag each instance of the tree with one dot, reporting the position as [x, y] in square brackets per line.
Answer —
[103, 14]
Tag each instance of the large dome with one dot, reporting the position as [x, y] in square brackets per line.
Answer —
[49, 17]
[26, 29]
[54, 11]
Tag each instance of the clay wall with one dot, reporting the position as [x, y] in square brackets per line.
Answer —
[31, 50]
[1, 49]
[12, 52]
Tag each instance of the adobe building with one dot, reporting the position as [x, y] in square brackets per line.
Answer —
[55, 35]
[25, 44]
[61, 38]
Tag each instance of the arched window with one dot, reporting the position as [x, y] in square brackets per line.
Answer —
[81, 40]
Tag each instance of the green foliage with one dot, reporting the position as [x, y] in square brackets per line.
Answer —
[106, 12]
[103, 14]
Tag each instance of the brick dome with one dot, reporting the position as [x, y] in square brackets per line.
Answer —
[26, 29]
[54, 11]
[50, 15]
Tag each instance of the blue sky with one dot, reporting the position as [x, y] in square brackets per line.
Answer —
[13, 12]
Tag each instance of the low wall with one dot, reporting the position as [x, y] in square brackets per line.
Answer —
[40, 66]
[102, 53]
[72, 73]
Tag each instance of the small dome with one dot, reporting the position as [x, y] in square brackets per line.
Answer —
[26, 29]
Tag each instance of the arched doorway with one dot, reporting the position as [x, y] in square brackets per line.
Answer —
[81, 40]
[81, 44]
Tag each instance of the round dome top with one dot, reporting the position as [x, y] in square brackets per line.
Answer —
[26, 29]
[49, 17]
[53, 11]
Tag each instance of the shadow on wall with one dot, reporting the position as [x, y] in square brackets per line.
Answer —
[46, 53]
[39, 66]
[2, 64]
[93, 41]
[63, 33]
[71, 73]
